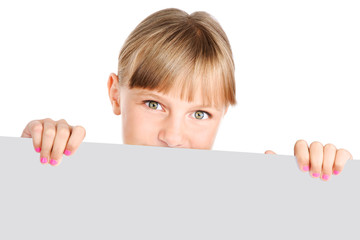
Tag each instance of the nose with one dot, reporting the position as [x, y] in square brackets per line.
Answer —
[172, 133]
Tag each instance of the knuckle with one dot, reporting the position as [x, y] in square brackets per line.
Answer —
[48, 120]
[49, 132]
[37, 127]
[342, 150]
[63, 132]
[62, 121]
[301, 141]
[316, 143]
[330, 146]
[344, 153]
[81, 129]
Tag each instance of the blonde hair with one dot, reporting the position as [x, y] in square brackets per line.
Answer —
[171, 49]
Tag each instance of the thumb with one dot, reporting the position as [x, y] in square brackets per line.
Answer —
[269, 152]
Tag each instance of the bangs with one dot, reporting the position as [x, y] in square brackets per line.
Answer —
[180, 55]
[183, 82]
[185, 67]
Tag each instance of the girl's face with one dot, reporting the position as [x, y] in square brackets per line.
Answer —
[151, 118]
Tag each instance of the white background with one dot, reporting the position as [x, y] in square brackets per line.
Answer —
[297, 68]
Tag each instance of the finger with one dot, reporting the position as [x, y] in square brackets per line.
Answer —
[342, 156]
[34, 130]
[269, 152]
[78, 134]
[26, 132]
[61, 139]
[316, 158]
[301, 152]
[48, 137]
[329, 159]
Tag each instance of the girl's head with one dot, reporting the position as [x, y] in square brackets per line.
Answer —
[175, 80]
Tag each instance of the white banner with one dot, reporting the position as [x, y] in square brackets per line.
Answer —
[113, 191]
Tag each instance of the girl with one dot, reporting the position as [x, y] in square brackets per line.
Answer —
[174, 84]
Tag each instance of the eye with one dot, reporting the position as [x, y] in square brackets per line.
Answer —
[152, 104]
[200, 115]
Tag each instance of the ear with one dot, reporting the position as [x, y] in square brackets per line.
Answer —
[114, 93]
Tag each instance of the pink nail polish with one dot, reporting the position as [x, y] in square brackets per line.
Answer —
[336, 172]
[43, 160]
[53, 162]
[38, 150]
[316, 174]
[325, 177]
[67, 152]
[306, 168]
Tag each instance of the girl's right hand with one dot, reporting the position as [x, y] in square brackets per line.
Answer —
[52, 139]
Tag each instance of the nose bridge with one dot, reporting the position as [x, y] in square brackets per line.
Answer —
[173, 130]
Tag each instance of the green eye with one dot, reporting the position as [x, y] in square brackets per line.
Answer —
[199, 115]
[153, 104]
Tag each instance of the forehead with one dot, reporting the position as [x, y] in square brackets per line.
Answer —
[174, 94]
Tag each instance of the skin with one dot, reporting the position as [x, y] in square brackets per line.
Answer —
[168, 121]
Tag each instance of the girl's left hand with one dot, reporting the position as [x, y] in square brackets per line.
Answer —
[320, 160]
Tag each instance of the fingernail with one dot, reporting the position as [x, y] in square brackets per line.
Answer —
[43, 160]
[336, 172]
[38, 149]
[67, 152]
[306, 168]
[325, 177]
[53, 162]
[316, 174]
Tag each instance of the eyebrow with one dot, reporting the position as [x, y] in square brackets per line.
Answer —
[148, 93]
